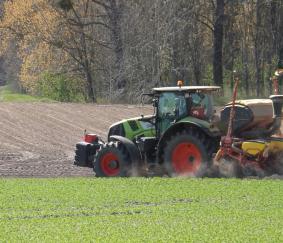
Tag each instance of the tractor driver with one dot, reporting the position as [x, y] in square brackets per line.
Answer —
[200, 105]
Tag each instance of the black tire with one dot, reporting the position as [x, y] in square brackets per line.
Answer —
[112, 160]
[187, 153]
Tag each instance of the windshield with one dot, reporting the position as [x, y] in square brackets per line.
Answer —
[171, 106]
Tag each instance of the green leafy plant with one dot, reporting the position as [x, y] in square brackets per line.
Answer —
[7, 95]
[141, 210]
[61, 88]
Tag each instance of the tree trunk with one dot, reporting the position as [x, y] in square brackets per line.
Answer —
[258, 72]
[90, 87]
[115, 17]
[218, 43]
[258, 49]
[274, 22]
[246, 69]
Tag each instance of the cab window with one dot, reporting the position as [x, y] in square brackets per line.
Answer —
[171, 106]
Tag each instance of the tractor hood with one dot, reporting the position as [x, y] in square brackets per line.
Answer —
[134, 127]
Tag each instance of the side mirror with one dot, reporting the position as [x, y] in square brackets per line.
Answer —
[144, 95]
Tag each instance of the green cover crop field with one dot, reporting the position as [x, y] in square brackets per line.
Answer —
[141, 209]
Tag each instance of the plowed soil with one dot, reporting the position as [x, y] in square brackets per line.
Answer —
[38, 139]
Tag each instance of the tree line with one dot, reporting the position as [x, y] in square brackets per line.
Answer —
[112, 50]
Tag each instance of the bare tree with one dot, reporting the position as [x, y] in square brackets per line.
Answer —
[218, 42]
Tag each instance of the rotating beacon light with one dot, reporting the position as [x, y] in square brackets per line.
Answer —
[180, 83]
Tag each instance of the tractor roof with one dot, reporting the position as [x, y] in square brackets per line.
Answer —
[187, 88]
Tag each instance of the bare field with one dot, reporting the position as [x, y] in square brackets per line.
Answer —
[38, 139]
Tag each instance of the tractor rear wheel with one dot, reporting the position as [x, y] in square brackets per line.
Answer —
[186, 154]
[112, 160]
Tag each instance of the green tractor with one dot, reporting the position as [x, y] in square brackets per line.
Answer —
[178, 140]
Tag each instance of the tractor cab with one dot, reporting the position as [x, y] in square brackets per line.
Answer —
[173, 104]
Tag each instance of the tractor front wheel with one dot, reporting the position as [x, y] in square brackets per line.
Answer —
[186, 155]
[112, 160]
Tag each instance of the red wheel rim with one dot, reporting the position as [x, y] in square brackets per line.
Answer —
[186, 158]
[107, 162]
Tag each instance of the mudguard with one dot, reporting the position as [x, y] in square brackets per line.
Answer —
[179, 126]
[182, 125]
[131, 148]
